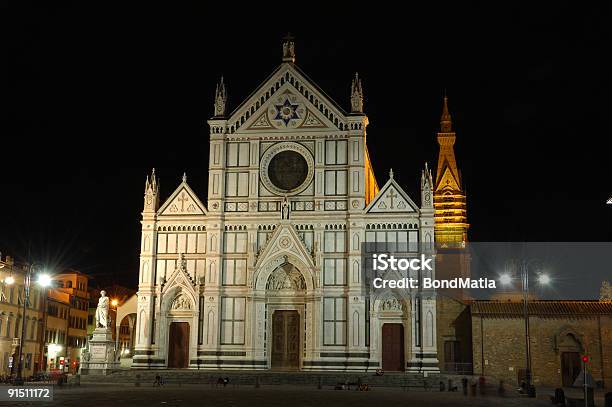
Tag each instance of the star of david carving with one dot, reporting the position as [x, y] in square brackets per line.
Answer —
[286, 112]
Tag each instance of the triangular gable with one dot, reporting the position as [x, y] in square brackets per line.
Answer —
[287, 99]
[448, 181]
[284, 239]
[183, 202]
[180, 276]
[392, 199]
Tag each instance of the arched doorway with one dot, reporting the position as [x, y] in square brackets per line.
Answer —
[571, 364]
[178, 345]
[285, 282]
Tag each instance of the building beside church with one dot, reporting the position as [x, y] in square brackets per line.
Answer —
[266, 273]
[561, 332]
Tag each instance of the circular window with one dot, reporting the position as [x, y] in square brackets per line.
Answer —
[287, 170]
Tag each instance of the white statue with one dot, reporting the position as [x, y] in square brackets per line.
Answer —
[102, 320]
[285, 208]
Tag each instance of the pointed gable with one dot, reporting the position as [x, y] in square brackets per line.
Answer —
[288, 99]
[183, 202]
[448, 181]
[284, 239]
[392, 199]
[180, 276]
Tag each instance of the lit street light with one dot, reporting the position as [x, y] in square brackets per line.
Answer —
[114, 303]
[505, 279]
[543, 279]
[44, 280]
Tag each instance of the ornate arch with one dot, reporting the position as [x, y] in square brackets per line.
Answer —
[286, 277]
[263, 274]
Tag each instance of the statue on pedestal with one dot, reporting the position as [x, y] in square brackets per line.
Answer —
[102, 320]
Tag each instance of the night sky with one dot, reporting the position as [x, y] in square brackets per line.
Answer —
[98, 96]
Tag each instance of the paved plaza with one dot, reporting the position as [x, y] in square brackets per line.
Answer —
[268, 396]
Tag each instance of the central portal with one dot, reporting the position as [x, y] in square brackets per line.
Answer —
[286, 340]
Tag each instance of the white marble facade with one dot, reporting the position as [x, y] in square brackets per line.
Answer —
[291, 197]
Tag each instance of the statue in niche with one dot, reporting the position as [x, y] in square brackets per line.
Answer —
[285, 209]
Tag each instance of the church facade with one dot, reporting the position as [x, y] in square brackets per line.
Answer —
[266, 273]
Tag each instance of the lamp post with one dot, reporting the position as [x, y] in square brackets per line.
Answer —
[114, 303]
[43, 280]
[543, 279]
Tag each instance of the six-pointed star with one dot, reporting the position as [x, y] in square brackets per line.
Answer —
[286, 112]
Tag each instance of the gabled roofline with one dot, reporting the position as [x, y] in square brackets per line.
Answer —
[299, 71]
[174, 195]
[388, 184]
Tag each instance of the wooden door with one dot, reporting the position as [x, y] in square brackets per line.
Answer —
[570, 367]
[393, 347]
[285, 340]
[178, 345]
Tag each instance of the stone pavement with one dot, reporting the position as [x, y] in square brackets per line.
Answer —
[269, 396]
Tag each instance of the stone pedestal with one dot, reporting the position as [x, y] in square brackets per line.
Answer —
[100, 358]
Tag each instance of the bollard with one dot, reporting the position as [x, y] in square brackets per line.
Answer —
[473, 387]
[320, 386]
[257, 382]
[137, 381]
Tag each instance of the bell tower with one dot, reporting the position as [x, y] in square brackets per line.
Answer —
[449, 196]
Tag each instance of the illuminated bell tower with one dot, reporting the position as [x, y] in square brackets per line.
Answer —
[449, 196]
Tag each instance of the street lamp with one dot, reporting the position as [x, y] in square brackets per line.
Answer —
[543, 279]
[44, 280]
[114, 303]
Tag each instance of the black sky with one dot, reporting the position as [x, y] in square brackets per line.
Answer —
[99, 95]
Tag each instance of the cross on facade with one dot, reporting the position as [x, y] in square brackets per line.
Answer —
[391, 196]
[182, 199]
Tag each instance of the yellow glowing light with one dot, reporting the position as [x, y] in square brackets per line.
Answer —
[10, 280]
[114, 303]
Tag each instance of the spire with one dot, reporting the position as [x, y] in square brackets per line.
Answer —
[184, 177]
[445, 120]
[356, 95]
[288, 48]
[220, 99]
[391, 173]
[153, 180]
[151, 195]
[450, 214]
